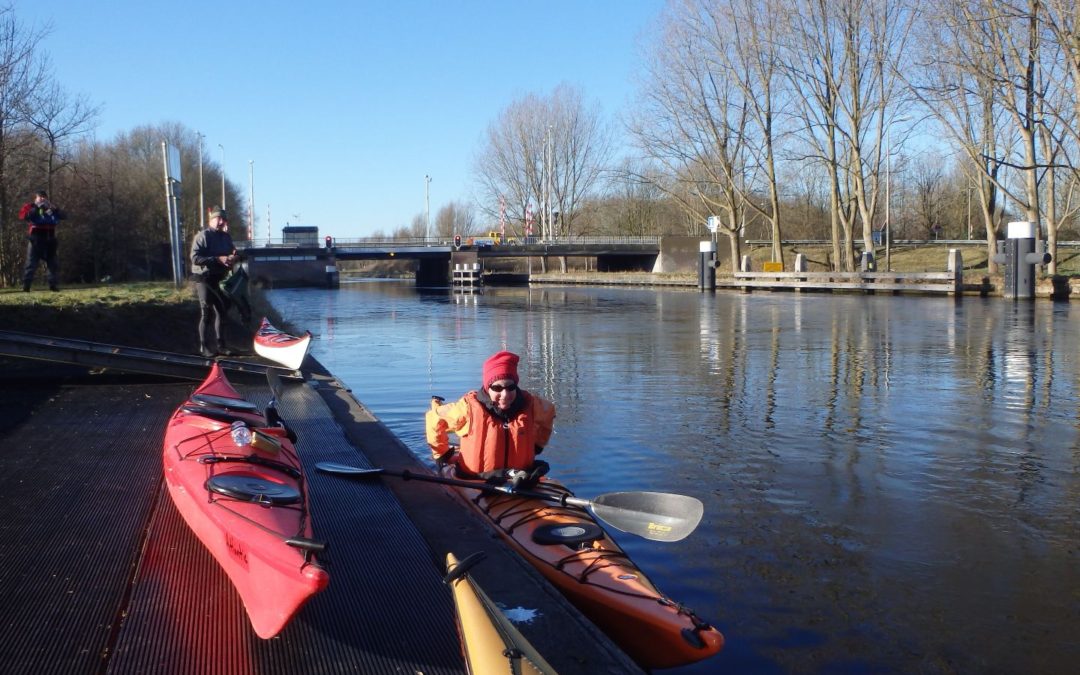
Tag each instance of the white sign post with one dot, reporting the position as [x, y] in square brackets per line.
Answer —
[171, 156]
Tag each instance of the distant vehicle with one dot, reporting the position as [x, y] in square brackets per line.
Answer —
[492, 238]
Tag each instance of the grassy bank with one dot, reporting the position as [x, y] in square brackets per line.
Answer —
[147, 315]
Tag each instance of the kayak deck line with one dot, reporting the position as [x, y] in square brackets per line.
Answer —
[526, 512]
[126, 587]
[125, 359]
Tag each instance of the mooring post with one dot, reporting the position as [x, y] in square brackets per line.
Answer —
[707, 266]
[1020, 255]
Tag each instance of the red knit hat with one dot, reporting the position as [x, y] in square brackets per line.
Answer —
[500, 366]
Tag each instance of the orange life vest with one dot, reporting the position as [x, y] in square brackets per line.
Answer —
[491, 444]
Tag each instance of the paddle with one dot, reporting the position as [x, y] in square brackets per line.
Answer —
[659, 516]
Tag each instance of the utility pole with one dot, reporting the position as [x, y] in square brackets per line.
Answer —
[549, 155]
[222, 174]
[251, 200]
[202, 205]
[888, 193]
[427, 207]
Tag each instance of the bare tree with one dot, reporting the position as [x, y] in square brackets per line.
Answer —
[21, 73]
[455, 218]
[544, 154]
[1062, 18]
[842, 58]
[636, 200]
[692, 121]
[928, 195]
[746, 39]
[987, 78]
[58, 116]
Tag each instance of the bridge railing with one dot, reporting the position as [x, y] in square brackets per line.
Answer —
[387, 242]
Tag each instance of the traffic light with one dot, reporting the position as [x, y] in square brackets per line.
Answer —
[329, 242]
[457, 241]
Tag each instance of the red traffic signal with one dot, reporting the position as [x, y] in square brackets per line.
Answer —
[457, 241]
[329, 241]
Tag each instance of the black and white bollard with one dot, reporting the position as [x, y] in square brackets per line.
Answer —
[1021, 253]
[707, 266]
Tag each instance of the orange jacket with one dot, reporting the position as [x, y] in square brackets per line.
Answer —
[487, 442]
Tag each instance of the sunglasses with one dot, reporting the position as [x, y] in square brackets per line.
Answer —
[497, 388]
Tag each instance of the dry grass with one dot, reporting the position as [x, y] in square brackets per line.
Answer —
[922, 258]
[147, 315]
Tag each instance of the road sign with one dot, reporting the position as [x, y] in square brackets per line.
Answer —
[713, 223]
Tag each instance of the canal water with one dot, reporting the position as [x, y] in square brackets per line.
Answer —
[890, 483]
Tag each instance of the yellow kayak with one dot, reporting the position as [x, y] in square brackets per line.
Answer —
[489, 642]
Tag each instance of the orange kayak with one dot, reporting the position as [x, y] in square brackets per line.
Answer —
[239, 485]
[568, 546]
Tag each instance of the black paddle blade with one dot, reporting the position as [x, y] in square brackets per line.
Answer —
[659, 516]
[346, 470]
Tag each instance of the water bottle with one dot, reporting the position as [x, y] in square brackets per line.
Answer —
[241, 435]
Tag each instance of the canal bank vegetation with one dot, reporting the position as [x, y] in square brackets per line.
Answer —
[149, 315]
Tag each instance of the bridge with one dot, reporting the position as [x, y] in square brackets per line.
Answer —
[279, 263]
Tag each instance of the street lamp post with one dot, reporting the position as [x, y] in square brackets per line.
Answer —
[202, 205]
[970, 187]
[251, 200]
[888, 193]
[222, 175]
[427, 207]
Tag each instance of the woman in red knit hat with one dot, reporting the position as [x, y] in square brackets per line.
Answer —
[500, 426]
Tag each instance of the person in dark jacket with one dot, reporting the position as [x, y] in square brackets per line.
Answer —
[42, 216]
[212, 256]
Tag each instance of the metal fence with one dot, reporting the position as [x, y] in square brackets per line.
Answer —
[411, 242]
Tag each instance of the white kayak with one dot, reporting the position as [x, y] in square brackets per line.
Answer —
[281, 347]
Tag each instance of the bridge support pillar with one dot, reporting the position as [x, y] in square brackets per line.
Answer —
[432, 272]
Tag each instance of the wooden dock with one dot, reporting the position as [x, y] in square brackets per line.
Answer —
[950, 281]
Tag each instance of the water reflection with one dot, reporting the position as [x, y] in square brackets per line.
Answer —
[890, 483]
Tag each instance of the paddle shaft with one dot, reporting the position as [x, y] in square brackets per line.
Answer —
[653, 515]
[561, 500]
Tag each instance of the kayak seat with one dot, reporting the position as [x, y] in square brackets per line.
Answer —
[224, 402]
[246, 487]
[568, 534]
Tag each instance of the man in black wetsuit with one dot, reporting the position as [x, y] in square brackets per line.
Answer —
[212, 255]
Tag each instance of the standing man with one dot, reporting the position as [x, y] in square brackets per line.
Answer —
[42, 216]
[212, 255]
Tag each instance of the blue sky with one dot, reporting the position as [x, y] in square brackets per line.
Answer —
[343, 107]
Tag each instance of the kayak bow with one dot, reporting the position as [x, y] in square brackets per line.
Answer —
[281, 347]
[489, 642]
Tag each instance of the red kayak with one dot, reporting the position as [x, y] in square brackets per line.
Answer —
[568, 546]
[281, 347]
[240, 487]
